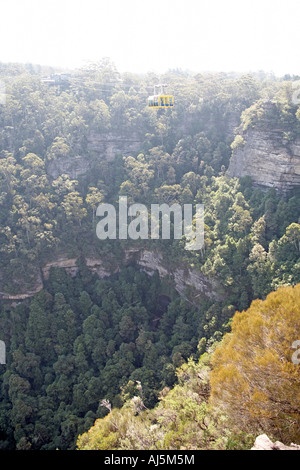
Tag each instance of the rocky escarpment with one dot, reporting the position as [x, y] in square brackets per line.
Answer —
[190, 283]
[111, 144]
[31, 288]
[267, 154]
[100, 146]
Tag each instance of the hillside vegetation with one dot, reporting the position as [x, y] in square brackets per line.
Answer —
[243, 386]
[83, 340]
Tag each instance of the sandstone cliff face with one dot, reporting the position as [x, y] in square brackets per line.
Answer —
[111, 144]
[267, 157]
[71, 166]
[189, 283]
[23, 294]
[99, 147]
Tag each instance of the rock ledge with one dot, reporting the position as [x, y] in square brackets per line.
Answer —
[262, 442]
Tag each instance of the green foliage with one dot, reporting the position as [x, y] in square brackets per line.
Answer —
[182, 420]
[254, 378]
[82, 340]
[80, 343]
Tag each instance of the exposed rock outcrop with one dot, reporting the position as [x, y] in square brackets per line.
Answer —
[151, 261]
[109, 145]
[23, 294]
[190, 283]
[267, 155]
[69, 264]
[198, 283]
[263, 442]
[100, 146]
[71, 166]
[185, 279]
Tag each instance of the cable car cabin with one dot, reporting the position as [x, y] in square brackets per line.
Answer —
[160, 98]
[160, 101]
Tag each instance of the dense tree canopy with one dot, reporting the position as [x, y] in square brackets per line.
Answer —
[246, 384]
[255, 378]
[82, 340]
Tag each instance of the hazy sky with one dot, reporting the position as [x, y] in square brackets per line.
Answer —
[143, 35]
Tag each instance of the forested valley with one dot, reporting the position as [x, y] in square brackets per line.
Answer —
[128, 350]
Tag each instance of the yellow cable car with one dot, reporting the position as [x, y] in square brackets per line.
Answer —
[160, 99]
